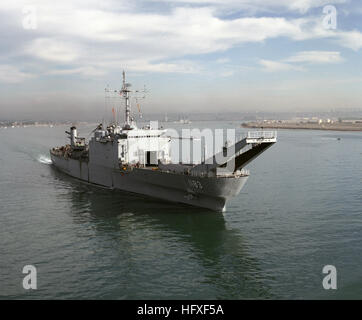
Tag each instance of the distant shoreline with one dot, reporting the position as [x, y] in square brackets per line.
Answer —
[306, 126]
[36, 124]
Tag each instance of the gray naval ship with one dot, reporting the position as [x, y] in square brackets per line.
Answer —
[138, 160]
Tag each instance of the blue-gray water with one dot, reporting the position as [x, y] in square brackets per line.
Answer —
[300, 210]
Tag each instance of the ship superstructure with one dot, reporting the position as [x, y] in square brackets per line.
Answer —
[139, 160]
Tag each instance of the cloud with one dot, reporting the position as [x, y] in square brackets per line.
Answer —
[316, 57]
[108, 34]
[53, 50]
[314, 29]
[305, 5]
[84, 71]
[350, 39]
[228, 73]
[95, 38]
[294, 62]
[301, 6]
[11, 74]
[222, 60]
[181, 66]
[275, 66]
[182, 31]
[100, 68]
[77, 39]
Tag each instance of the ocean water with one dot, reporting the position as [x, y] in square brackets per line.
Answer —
[300, 210]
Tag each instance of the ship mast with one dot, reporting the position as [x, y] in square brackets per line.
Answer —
[125, 91]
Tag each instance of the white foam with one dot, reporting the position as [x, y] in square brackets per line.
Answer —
[44, 159]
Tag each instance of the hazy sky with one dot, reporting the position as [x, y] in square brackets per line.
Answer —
[56, 57]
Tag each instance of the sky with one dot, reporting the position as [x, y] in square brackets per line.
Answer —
[57, 57]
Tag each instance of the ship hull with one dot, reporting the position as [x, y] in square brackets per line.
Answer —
[206, 192]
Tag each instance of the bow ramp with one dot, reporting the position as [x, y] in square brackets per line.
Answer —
[255, 143]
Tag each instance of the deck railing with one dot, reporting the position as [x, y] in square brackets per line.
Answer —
[262, 134]
[245, 172]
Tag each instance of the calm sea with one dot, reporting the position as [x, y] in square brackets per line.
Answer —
[300, 210]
